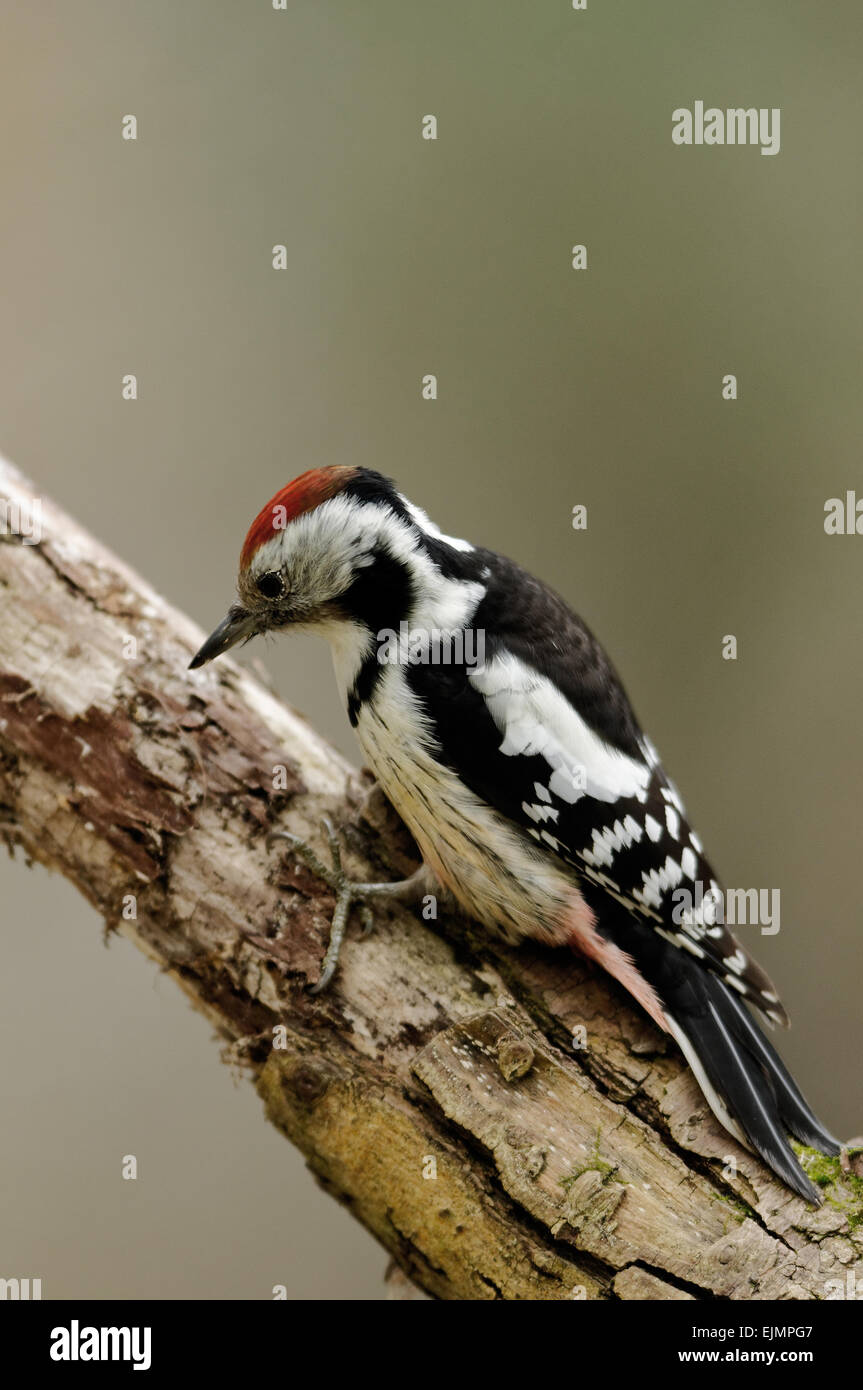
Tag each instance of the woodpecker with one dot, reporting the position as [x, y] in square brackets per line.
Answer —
[536, 800]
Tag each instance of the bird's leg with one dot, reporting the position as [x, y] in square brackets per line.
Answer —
[407, 890]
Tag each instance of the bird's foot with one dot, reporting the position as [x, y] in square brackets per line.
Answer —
[347, 892]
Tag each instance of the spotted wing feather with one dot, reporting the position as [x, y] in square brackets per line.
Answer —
[544, 732]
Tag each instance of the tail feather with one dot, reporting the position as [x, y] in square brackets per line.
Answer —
[747, 1086]
[796, 1114]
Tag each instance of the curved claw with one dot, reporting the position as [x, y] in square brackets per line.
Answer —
[347, 893]
[335, 847]
[337, 932]
[326, 975]
[334, 878]
[281, 835]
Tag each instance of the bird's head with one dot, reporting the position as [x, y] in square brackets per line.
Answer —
[337, 545]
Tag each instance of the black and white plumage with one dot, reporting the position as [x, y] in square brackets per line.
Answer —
[524, 777]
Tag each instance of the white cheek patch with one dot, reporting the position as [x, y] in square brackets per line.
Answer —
[321, 551]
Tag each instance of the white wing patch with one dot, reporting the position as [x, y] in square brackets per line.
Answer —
[535, 718]
[653, 828]
[689, 863]
[539, 811]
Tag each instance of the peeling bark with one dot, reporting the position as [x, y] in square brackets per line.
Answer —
[435, 1089]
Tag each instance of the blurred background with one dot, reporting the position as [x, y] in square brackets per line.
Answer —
[599, 387]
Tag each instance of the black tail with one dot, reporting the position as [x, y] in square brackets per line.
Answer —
[747, 1086]
[746, 1080]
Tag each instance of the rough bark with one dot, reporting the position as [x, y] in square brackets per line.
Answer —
[502, 1121]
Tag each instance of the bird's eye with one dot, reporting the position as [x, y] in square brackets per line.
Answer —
[271, 585]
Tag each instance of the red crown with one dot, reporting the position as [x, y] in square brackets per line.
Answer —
[302, 495]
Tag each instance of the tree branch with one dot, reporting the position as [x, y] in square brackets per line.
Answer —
[502, 1121]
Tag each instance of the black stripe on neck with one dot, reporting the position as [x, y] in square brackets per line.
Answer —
[380, 597]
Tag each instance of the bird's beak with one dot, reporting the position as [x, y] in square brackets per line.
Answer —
[238, 625]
